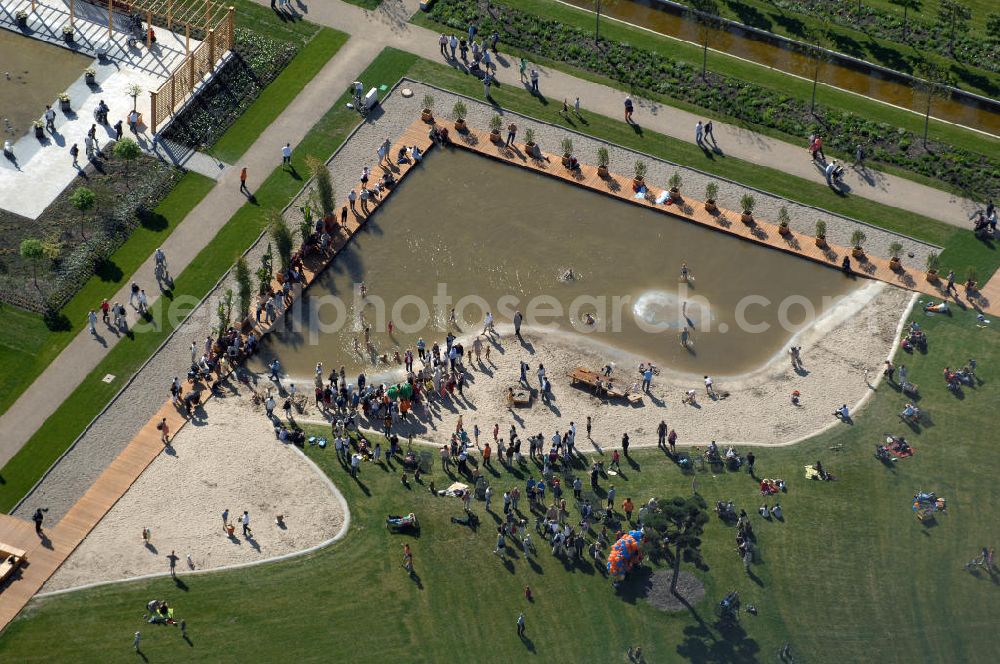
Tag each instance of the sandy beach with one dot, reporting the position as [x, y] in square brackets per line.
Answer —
[758, 409]
[231, 460]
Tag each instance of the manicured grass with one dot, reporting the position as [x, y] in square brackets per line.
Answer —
[366, 4]
[34, 345]
[263, 19]
[747, 71]
[50, 440]
[514, 97]
[278, 95]
[849, 575]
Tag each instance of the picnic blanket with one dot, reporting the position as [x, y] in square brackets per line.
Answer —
[812, 473]
[456, 489]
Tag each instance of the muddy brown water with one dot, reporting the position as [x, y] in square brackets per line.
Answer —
[654, 16]
[481, 229]
[32, 74]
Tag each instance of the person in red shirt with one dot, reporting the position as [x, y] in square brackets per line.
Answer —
[105, 310]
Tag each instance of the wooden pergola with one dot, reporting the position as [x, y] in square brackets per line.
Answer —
[197, 14]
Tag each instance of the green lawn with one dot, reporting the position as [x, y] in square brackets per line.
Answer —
[30, 345]
[967, 251]
[741, 69]
[264, 20]
[278, 95]
[850, 575]
[50, 440]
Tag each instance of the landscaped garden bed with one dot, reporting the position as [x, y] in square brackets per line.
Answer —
[970, 172]
[78, 244]
[256, 61]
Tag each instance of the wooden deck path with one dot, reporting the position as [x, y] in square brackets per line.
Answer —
[726, 221]
[45, 555]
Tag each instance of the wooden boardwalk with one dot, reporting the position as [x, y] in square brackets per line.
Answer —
[45, 554]
[726, 221]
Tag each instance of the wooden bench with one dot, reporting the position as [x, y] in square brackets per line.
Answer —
[10, 559]
[597, 381]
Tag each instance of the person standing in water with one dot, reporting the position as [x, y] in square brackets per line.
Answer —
[685, 272]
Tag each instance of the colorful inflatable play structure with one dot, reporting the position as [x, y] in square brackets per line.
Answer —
[624, 556]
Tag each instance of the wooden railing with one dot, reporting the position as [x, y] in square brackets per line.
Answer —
[183, 81]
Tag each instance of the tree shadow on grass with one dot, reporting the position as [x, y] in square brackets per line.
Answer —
[720, 642]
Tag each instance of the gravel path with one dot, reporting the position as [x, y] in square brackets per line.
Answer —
[112, 431]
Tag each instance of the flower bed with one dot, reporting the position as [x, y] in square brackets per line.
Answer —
[123, 203]
[255, 63]
[973, 173]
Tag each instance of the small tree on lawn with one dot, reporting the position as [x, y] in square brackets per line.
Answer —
[934, 81]
[282, 237]
[266, 270]
[955, 14]
[681, 521]
[32, 250]
[324, 186]
[83, 199]
[906, 5]
[128, 150]
[244, 287]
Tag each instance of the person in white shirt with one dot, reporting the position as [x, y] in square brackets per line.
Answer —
[286, 154]
[708, 386]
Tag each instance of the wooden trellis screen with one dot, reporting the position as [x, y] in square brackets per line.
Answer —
[192, 71]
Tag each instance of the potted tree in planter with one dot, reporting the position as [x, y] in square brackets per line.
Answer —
[496, 122]
[245, 294]
[932, 267]
[857, 239]
[603, 158]
[640, 174]
[39, 129]
[711, 191]
[22, 18]
[567, 148]
[459, 111]
[783, 220]
[426, 115]
[64, 102]
[675, 183]
[821, 234]
[88, 75]
[895, 249]
[529, 141]
[68, 32]
[747, 203]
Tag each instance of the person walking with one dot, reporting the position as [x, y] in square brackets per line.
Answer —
[75, 153]
[38, 517]
[443, 44]
[50, 119]
[709, 389]
[243, 180]
[164, 431]
[245, 522]
[352, 198]
[488, 495]
[92, 322]
[859, 157]
[453, 44]
[951, 282]
[225, 519]
[136, 640]
[511, 133]
[172, 562]
[520, 625]
[699, 133]
[708, 132]
[286, 155]
[522, 68]
[751, 460]
[661, 434]
[625, 443]
[518, 319]
[628, 109]
[487, 82]
[672, 441]
[647, 378]
[534, 81]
